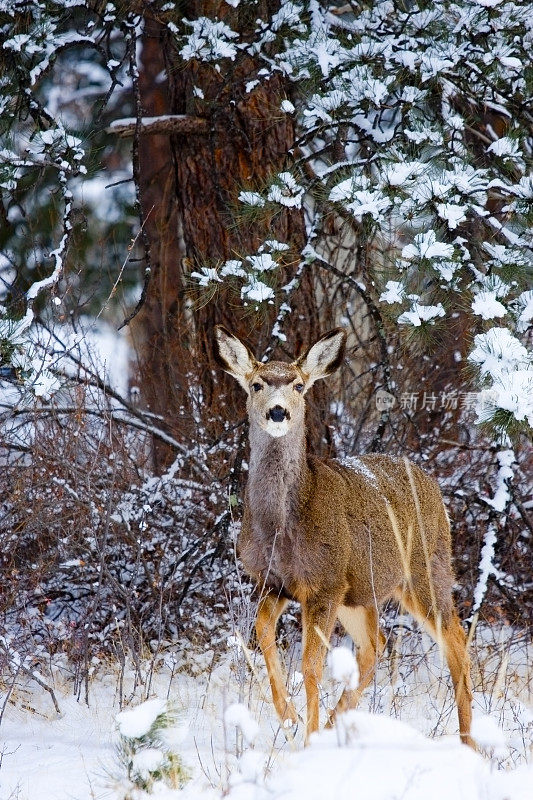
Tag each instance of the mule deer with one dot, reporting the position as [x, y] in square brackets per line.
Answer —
[339, 538]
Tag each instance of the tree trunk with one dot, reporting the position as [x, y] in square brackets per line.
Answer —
[189, 186]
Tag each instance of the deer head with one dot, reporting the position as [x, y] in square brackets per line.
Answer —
[276, 390]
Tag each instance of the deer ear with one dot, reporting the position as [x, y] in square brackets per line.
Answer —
[233, 356]
[324, 357]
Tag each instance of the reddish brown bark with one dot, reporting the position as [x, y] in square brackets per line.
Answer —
[153, 331]
[189, 191]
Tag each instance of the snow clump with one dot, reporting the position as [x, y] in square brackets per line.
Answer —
[238, 716]
[147, 761]
[287, 107]
[209, 41]
[251, 199]
[498, 352]
[425, 245]
[489, 735]
[525, 304]
[394, 293]
[419, 314]
[206, 276]
[286, 191]
[344, 667]
[487, 306]
[137, 722]
[257, 291]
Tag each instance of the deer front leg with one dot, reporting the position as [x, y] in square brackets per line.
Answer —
[318, 619]
[268, 612]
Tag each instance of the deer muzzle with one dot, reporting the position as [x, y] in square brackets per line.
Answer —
[278, 414]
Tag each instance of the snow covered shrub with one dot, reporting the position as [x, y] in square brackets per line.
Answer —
[99, 556]
[149, 736]
[251, 765]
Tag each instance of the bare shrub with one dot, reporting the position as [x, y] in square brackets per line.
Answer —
[100, 555]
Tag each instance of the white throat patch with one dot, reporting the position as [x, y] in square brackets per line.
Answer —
[276, 429]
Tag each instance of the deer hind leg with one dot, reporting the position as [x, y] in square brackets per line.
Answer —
[455, 649]
[318, 619]
[268, 612]
[362, 625]
[448, 632]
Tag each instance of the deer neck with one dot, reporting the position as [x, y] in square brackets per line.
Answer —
[276, 479]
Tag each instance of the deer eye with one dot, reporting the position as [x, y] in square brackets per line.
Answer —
[257, 387]
[299, 387]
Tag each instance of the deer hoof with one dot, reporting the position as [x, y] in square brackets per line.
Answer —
[289, 728]
[330, 722]
[289, 723]
[467, 739]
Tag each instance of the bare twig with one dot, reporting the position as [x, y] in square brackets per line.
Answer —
[16, 661]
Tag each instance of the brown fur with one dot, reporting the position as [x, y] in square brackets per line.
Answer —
[341, 539]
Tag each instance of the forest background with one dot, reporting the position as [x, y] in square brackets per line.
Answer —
[281, 168]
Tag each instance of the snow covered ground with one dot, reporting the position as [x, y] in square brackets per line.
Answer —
[230, 748]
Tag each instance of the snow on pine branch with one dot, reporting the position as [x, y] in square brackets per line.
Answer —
[42, 152]
[23, 356]
[210, 40]
[506, 366]
[147, 750]
[255, 274]
[411, 123]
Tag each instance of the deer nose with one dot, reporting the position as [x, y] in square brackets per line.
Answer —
[277, 414]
